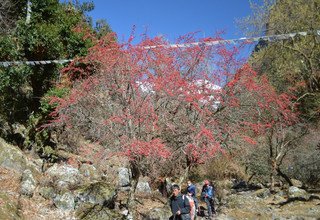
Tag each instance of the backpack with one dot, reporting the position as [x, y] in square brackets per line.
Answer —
[192, 206]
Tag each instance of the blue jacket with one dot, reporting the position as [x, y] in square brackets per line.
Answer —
[207, 190]
[179, 203]
[192, 190]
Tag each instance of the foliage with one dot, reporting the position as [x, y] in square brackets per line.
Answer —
[257, 164]
[102, 28]
[255, 24]
[221, 168]
[303, 163]
[292, 65]
[159, 107]
[10, 12]
[46, 107]
[55, 31]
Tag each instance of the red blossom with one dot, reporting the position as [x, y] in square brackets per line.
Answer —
[145, 103]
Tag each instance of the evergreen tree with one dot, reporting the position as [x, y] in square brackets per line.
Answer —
[55, 31]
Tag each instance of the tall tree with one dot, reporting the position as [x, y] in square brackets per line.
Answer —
[291, 64]
[55, 31]
[159, 105]
[10, 12]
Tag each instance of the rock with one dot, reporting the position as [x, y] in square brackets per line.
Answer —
[125, 212]
[124, 176]
[278, 199]
[95, 200]
[262, 193]
[89, 171]
[124, 189]
[28, 184]
[98, 193]
[129, 217]
[296, 193]
[296, 183]
[37, 164]
[47, 192]
[12, 157]
[281, 193]
[64, 176]
[143, 186]
[277, 189]
[168, 185]
[158, 213]
[65, 201]
[89, 212]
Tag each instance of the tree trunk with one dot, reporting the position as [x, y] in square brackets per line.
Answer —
[133, 182]
[252, 175]
[284, 176]
[184, 176]
[273, 174]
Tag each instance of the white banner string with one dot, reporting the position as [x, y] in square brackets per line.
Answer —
[204, 43]
[32, 63]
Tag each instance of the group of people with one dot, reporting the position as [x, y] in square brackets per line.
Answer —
[186, 207]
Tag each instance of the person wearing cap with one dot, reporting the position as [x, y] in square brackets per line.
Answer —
[207, 195]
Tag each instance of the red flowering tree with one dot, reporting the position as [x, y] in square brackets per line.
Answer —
[159, 104]
[264, 113]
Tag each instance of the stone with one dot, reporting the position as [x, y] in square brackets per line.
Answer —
[28, 183]
[89, 212]
[64, 201]
[124, 176]
[89, 171]
[47, 192]
[168, 185]
[125, 212]
[12, 157]
[296, 183]
[262, 193]
[95, 199]
[98, 193]
[158, 213]
[296, 193]
[143, 186]
[37, 164]
[65, 176]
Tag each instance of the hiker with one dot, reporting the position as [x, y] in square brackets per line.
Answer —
[191, 191]
[179, 205]
[207, 194]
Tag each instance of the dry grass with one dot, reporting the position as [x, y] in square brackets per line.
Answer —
[9, 180]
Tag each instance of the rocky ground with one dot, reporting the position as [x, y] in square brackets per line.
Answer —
[31, 189]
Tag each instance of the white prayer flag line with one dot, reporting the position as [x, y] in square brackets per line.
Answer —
[204, 43]
[234, 41]
[32, 63]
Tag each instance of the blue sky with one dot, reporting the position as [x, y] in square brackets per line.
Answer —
[172, 18]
